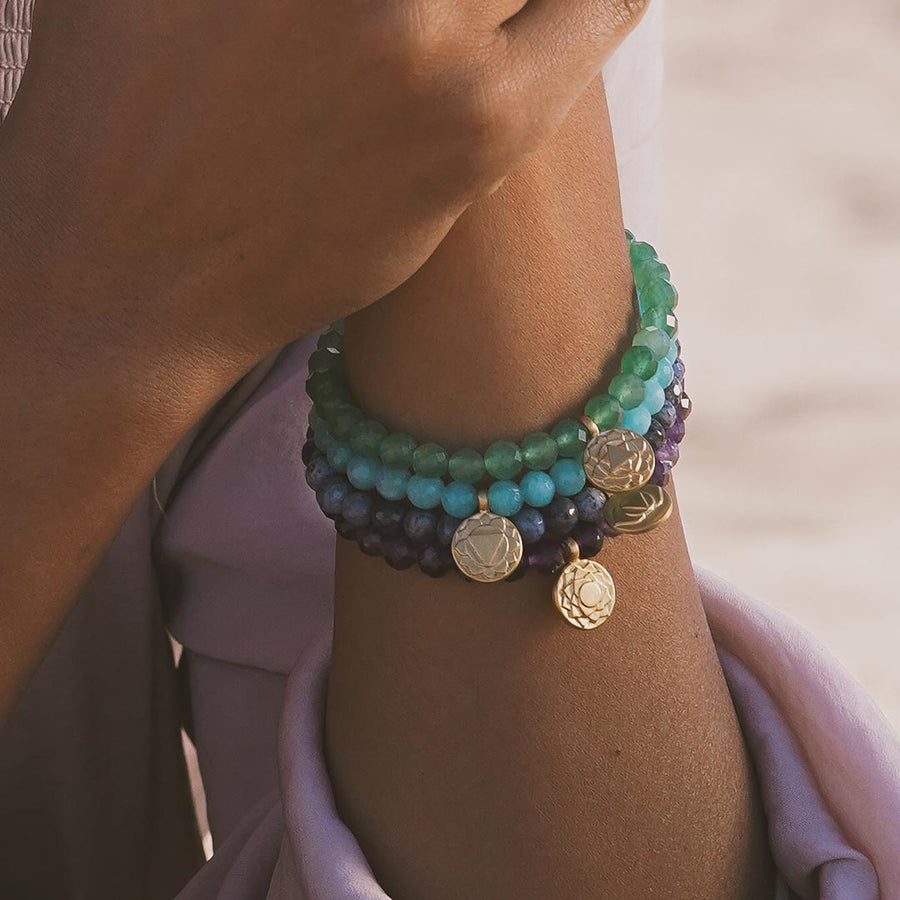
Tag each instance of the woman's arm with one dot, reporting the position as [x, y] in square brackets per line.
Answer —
[479, 747]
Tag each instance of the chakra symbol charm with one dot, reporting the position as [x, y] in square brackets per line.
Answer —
[618, 460]
[585, 594]
[487, 547]
[638, 511]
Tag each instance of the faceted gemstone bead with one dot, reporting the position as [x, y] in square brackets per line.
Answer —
[664, 373]
[387, 516]
[503, 460]
[331, 401]
[323, 436]
[607, 529]
[331, 495]
[545, 556]
[435, 561]
[636, 420]
[538, 488]
[397, 450]
[308, 452]
[424, 493]
[530, 523]
[666, 416]
[560, 516]
[683, 405]
[446, 528]
[661, 473]
[538, 451]
[459, 499]
[330, 340]
[654, 396]
[628, 235]
[398, 552]
[366, 438]
[571, 437]
[655, 434]
[678, 368]
[674, 392]
[345, 420]
[318, 472]
[568, 476]
[639, 361]
[674, 350]
[628, 390]
[391, 483]
[649, 270]
[654, 338]
[344, 528]
[676, 432]
[589, 537]
[467, 465]
[589, 504]
[668, 452]
[659, 293]
[606, 411]
[362, 472]
[369, 541]
[420, 525]
[357, 508]
[339, 456]
[640, 250]
[505, 498]
[323, 360]
[430, 460]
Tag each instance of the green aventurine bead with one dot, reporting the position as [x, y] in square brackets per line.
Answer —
[639, 250]
[430, 460]
[606, 411]
[628, 390]
[659, 293]
[323, 361]
[397, 450]
[648, 270]
[503, 460]
[366, 438]
[571, 437]
[467, 466]
[654, 338]
[345, 419]
[639, 361]
[538, 451]
[660, 318]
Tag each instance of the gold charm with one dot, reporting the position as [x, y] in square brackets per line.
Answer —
[638, 511]
[585, 594]
[618, 460]
[487, 547]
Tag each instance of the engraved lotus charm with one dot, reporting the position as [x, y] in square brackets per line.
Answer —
[638, 511]
[487, 547]
[618, 460]
[585, 594]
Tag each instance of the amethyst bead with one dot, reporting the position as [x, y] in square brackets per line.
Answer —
[668, 453]
[684, 405]
[332, 494]
[589, 504]
[666, 416]
[420, 525]
[398, 552]
[387, 516]
[607, 529]
[318, 472]
[560, 516]
[357, 508]
[656, 434]
[661, 473]
[546, 556]
[435, 561]
[589, 538]
[676, 432]
[369, 541]
[530, 523]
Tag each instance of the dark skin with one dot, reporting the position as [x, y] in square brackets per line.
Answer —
[479, 747]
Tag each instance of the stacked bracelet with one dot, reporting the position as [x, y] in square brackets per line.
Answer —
[545, 503]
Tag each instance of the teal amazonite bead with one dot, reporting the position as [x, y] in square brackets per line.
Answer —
[568, 476]
[345, 420]
[654, 396]
[397, 450]
[637, 419]
[430, 460]
[672, 354]
[424, 493]
[459, 500]
[505, 498]
[467, 466]
[639, 361]
[654, 338]
[571, 437]
[366, 438]
[664, 373]
[628, 390]
[538, 452]
[606, 411]
[338, 455]
[503, 460]
[391, 483]
[362, 472]
[538, 488]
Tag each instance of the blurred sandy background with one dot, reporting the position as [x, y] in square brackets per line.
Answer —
[781, 167]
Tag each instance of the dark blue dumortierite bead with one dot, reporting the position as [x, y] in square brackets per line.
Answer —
[531, 525]
[318, 472]
[560, 516]
[673, 392]
[369, 541]
[656, 434]
[332, 494]
[435, 561]
[357, 508]
[420, 525]
[308, 452]
[661, 473]
[387, 516]
[678, 369]
[446, 528]
[666, 416]
[344, 528]
[398, 551]
[589, 504]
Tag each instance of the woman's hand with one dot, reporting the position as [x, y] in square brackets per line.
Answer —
[251, 171]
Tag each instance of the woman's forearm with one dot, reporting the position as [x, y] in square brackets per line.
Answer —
[478, 746]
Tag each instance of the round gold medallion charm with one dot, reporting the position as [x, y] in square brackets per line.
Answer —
[585, 594]
[638, 511]
[487, 547]
[618, 460]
